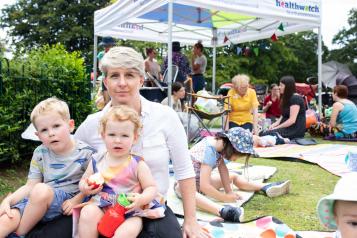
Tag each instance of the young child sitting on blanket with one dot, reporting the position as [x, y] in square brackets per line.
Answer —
[55, 170]
[269, 140]
[122, 173]
[338, 211]
[210, 153]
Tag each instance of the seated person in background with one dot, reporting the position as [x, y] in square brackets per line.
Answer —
[178, 93]
[210, 153]
[271, 105]
[344, 114]
[151, 65]
[244, 105]
[55, 170]
[338, 211]
[292, 123]
[269, 140]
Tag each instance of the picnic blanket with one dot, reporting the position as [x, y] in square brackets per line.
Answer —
[328, 156]
[263, 227]
[254, 172]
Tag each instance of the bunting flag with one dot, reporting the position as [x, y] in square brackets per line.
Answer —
[239, 50]
[256, 51]
[274, 37]
[246, 51]
[281, 27]
[225, 39]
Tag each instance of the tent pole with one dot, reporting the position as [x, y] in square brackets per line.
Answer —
[169, 52]
[214, 41]
[319, 70]
[95, 61]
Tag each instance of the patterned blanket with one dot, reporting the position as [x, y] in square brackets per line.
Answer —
[263, 227]
[328, 156]
[255, 172]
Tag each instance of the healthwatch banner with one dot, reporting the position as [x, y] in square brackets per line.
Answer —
[300, 8]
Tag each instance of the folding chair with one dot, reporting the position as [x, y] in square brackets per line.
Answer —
[175, 70]
[206, 126]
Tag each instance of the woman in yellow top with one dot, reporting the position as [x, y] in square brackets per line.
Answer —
[244, 105]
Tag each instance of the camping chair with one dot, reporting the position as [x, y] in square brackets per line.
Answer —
[201, 115]
[175, 70]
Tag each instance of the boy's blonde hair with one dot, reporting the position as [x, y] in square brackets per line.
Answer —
[121, 113]
[52, 104]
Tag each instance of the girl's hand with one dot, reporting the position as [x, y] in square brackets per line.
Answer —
[5, 208]
[89, 189]
[231, 197]
[136, 203]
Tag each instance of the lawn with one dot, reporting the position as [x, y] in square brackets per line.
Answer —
[309, 183]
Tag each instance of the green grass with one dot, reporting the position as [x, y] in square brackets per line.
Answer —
[297, 209]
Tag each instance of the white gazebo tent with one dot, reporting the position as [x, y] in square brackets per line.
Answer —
[210, 21]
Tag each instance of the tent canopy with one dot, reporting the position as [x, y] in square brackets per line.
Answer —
[213, 22]
[206, 20]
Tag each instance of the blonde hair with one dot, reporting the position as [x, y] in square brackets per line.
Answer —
[239, 79]
[50, 105]
[121, 113]
[122, 57]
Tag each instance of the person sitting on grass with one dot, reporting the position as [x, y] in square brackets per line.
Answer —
[178, 93]
[338, 211]
[55, 171]
[122, 173]
[344, 114]
[210, 153]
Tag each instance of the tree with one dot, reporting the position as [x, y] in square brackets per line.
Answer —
[347, 39]
[33, 23]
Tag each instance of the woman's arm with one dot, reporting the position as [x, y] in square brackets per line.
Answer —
[294, 110]
[267, 106]
[336, 108]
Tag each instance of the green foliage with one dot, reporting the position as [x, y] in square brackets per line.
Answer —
[33, 23]
[347, 39]
[45, 72]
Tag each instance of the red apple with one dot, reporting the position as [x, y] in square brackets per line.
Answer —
[95, 180]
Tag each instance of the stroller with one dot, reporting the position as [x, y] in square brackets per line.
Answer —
[334, 73]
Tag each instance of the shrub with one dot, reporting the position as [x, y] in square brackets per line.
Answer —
[44, 72]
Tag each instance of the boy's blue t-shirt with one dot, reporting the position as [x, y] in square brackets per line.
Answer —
[63, 172]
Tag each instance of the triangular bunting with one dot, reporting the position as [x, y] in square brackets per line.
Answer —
[281, 27]
[225, 39]
[256, 51]
[239, 50]
[274, 37]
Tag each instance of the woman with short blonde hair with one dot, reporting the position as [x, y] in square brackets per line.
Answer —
[244, 104]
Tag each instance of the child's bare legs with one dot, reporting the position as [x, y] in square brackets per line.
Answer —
[40, 199]
[88, 221]
[205, 204]
[7, 224]
[131, 227]
[238, 181]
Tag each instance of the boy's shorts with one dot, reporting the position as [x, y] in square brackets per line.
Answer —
[55, 208]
